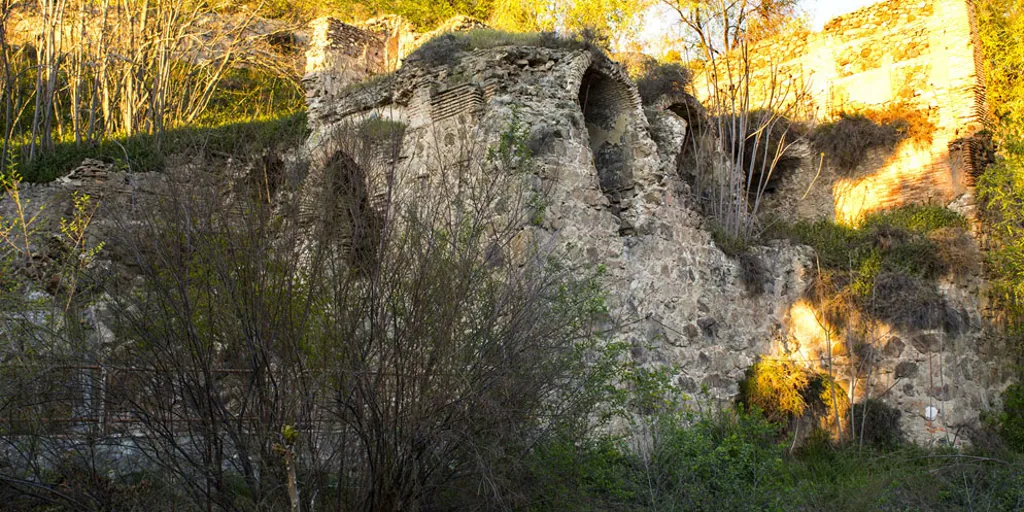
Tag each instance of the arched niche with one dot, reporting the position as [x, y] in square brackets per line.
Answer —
[607, 113]
[348, 216]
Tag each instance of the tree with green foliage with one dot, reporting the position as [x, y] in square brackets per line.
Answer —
[1001, 187]
[1001, 31]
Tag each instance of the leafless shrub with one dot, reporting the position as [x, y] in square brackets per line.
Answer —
[660, 80]
[847, 140]
[911, 303]
[766, 147]
[344, 348]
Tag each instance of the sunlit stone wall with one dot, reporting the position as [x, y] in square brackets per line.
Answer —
[921, 53]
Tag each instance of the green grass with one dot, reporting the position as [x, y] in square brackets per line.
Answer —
[736, 461]
[894, 240]
[144, 152]
[251, 110]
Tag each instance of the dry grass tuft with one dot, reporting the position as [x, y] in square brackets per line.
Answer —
[956, 251]
[911, 303]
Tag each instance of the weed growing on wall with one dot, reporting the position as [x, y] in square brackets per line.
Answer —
[888, 265]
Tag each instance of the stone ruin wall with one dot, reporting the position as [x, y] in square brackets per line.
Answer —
[341, 55]
[614, 198]
[922, 53]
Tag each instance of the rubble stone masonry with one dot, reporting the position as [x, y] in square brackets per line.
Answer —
[923, 54]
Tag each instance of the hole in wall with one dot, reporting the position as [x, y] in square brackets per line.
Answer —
[607, 111]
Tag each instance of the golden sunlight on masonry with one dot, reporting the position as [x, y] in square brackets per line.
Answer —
[808, 335]
[911, 174]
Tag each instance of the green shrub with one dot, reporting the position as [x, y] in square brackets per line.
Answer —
[853, 478]
[724, 461]
[1011, 426]
[917, 218]
[888, 265]
[834, 244]
[1001, 195]
[894, 240]
[594, 475]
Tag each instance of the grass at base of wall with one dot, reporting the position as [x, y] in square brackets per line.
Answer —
[733, 460]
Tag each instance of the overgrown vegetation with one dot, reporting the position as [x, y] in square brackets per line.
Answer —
[1000, 188]
[344, 355]
[263, 355]
[846, 141]
[888, 265]
[439, 50]
[732, 460]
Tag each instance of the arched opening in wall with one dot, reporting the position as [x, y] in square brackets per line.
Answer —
[607, 110]
[697, 142]
[348, 216]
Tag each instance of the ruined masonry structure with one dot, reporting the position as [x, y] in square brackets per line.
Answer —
[609, 175]
[922, 53]
[341, 55]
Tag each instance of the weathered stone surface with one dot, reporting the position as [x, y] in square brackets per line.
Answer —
[906, 369]
[923, 54]
[615, 197]
[927, 342]
[609, 174]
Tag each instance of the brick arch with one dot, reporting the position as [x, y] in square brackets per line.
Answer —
[609, 111]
